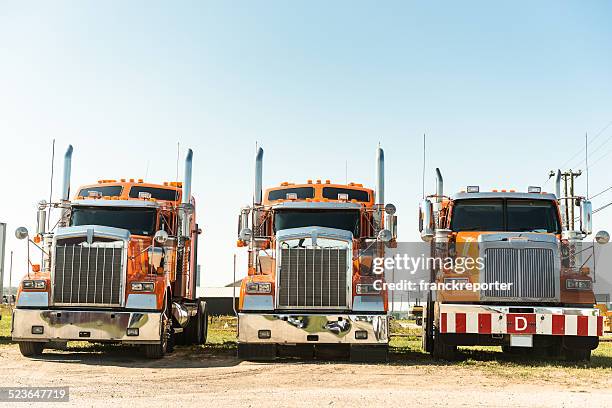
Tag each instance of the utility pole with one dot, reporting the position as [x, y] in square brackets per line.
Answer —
[568, 200]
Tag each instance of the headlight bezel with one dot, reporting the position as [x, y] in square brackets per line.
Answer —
[142, 287]
[258, 288]
[365, 289]
[578, 284]
[34, 284]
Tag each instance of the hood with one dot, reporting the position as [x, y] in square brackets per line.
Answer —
[314, 232]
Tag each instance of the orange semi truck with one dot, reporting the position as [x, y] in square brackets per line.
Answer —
[522, 241]
[120, 267]
[309, 288]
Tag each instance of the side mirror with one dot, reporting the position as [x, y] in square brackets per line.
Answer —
[246, 234]
[426, 220]
[586, 217]
[390, 209]
[21, 233]
[161, 237]
[385, 235]
[243, 220]
[156, 256]
[602, 237]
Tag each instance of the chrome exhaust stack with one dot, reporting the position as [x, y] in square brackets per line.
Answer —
[65, 198]
[258, 193]
[380, 177]
[437, 202]
[558, 184]
[186, 198]
[439, 186]
[67, 171]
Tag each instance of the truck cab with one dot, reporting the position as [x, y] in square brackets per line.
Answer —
[310, 279]
[120, 267]
[530, 282]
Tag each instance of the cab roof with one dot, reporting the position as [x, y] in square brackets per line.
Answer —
[318, 191]
[132, 190]
[504, 194]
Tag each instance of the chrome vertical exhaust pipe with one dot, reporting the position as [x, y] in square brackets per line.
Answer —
[439, 186]
[67, 171]
[558, 184]
[186, 198]
[258, 193]
[380, 176]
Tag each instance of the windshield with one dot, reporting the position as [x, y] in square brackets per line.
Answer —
[139, 221]
[505, 215]
[340, 219]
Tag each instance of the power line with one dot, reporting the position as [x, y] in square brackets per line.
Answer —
[590, 143]
[595, 151]
[601, 192]
[602, 207]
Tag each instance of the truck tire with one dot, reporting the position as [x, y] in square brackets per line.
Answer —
[256, 352]
[159, 349]
[197, 327]
[369, 354]
[443, 351]
[576, 355]
[31, 348]
[204, 322]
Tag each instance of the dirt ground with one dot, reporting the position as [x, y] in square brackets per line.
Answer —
[188, 377]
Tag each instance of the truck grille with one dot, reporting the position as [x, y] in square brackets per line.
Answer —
[530, 270]
[313, 278]
[88, 274]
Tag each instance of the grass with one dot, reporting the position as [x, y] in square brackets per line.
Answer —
[5, 325]
[405, 348]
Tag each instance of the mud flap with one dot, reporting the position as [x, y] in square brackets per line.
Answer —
[369, 354]
[256, 352]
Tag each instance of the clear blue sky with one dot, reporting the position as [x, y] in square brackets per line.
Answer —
[504, 91]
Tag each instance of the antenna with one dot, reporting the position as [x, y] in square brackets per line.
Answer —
[178, 154]
[346, 172]
[423, 174]
[51, 184]
[586, 159]
[147, 171]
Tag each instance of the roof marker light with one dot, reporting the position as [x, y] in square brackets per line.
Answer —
[534, 189]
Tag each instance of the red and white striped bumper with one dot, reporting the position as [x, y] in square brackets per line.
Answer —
[555, 321]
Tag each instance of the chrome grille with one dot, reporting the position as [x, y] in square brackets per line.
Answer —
[88, 274]
[530, 270]
[313, 278]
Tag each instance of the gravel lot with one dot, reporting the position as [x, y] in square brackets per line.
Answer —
[202, 377]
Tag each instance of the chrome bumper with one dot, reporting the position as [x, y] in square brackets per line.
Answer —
[77, 325]
[313, 328]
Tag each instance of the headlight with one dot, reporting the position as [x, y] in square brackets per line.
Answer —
[143, 286]
[578, 284]
[34, 284]
[258, 288]
[366, 289]
[460, 282]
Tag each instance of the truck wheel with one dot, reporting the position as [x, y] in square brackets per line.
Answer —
[443, 351]
[31, 348]
[197, 327]
[203, 323]
[576, 355]
[369, 354]
[158, 350]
